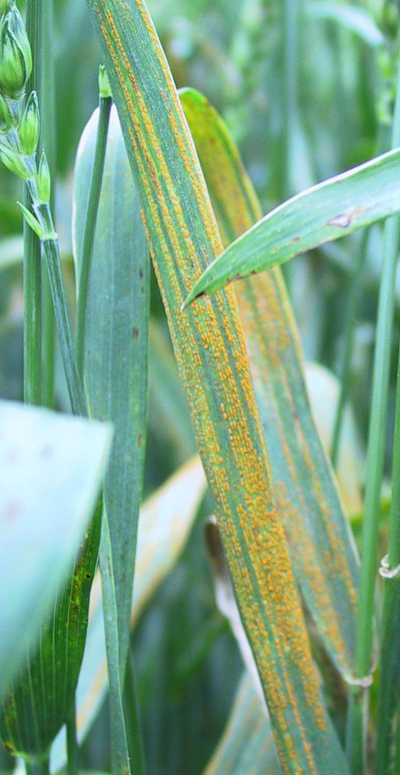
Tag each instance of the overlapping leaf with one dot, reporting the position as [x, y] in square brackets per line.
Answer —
[309, 507]
[51, 472]
[330, 210]
[164, 525]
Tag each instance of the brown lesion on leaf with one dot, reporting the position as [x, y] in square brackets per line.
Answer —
[236, 277]
[343, 220]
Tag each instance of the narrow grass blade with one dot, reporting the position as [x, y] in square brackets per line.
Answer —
[352, 17]
[213, 366]
[356, 740]
[164, 525]
[322, 553]
[247, 746]
[32, 250]
[116, 343]
[51, 472]
[32, 315]
[51, 253]
[389, 684]
[119, 744]
[321, 214]
[389, 675]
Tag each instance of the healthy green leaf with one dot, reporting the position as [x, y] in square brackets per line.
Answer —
[116, 342]
[115, 358]
[89, 221]
[213, 366]
[51, 469]
[325, 212]
[389, 685]
[119, 743]
[387, 746]
[165, 521]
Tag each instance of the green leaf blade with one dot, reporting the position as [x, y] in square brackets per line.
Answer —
[326, 212]
[58, 470]
[115, 373]
[119, 741]
[116, 343]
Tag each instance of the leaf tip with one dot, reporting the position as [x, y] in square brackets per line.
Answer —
[32, 221]
[190, 298]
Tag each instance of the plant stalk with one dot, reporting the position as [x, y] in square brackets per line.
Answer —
[32, 251]
[72, 743]
[389, 683]
[32, 316]
[51, 253]
[291, 16]
[119, 742]
[132, 719]
[357, 718]
[48, 141]
[52, 256]
[39, 23]
[397, 744]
